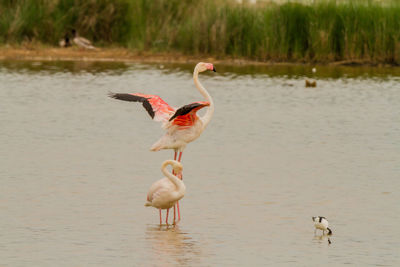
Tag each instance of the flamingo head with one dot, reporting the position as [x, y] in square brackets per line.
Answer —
[177, 167]
[205, 66]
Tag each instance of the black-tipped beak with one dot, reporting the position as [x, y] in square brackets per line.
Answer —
[214, 69]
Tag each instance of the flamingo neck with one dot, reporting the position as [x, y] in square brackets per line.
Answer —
[210, 111]
[180, 187]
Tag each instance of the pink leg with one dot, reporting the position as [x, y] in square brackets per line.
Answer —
[179, 212]
[174, 216]
[160, 217]
[166, 220]
[180, 156]
[177, 203]
[174, 174]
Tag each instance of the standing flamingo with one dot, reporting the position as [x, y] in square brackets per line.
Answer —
[164, 193]
[182, 125]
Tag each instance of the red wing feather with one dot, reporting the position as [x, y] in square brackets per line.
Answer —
[186, 115]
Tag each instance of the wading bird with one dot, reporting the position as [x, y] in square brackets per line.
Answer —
[182, 125]
[164, 193]
[321, 223]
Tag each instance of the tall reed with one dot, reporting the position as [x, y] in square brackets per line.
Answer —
[324, 31]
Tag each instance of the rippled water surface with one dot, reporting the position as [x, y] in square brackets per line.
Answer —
[76, 167]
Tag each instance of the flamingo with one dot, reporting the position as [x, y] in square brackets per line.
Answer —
[321, 223]
[164, 193]
[182, 125]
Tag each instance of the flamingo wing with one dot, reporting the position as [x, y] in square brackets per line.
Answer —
[186, 115]
[158, 109]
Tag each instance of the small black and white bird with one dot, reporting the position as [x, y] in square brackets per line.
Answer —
[321, 223]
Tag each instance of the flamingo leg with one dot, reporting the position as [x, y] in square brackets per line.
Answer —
[160, 217]
[179, 213]
[174, 215]
[177, 203]
[173, 172]
[166, 219]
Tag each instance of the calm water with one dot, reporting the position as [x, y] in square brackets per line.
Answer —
[76, 167]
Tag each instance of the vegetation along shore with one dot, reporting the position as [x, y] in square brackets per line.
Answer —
[326, 31]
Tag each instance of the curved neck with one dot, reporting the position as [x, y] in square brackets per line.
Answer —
[175, 180]
[210, 111]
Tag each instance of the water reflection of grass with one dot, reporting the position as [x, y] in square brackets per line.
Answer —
[291, 71]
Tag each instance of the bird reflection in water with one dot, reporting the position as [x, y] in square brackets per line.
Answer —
[171, 246]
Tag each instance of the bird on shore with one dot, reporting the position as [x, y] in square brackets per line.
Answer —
[80, 41]
[321, 223]
[65, 42]
[164, 193]
[182, 125]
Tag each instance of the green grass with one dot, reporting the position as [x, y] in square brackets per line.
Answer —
[325, 31]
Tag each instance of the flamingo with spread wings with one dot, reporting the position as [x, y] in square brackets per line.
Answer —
[182, 125]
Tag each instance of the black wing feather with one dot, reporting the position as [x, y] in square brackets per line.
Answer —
[185, 110]
[135, 98]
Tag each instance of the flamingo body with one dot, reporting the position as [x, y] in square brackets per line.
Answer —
[164, 193]
[182, 125]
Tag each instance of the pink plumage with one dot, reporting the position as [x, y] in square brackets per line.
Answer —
[182, 125]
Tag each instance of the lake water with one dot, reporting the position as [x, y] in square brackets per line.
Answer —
[76, 166]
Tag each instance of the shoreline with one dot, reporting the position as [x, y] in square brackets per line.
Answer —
[126, 55]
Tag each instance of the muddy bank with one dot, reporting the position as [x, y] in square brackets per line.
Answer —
[126, 55]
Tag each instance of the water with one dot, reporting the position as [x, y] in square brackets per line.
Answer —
[76, 167]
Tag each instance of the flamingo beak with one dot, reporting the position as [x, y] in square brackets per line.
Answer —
[214, 69]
